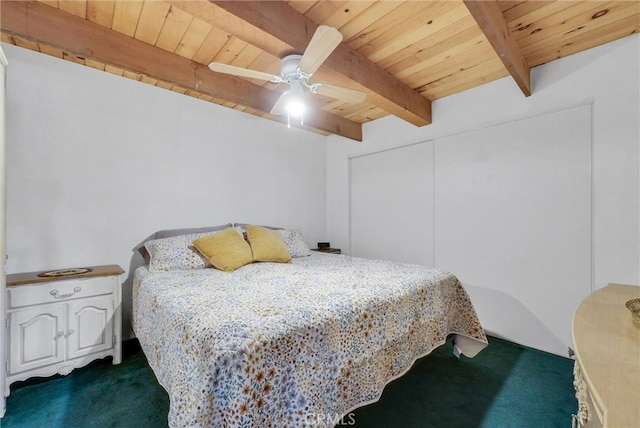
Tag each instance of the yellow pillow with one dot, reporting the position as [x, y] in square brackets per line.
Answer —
[226, 250]
[267, 245]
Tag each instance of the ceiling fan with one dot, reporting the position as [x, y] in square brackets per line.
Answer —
[296, 71]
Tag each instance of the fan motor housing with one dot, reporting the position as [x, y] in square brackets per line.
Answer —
[289, 67]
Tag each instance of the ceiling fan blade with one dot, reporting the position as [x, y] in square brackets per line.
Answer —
[242, 72]
[344, 94]
[323, 42]
[279, 108]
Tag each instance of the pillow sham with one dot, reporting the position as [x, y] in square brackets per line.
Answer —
[176, 253]
[295, 243]
[168, 233]
[267, 245]
[226, 250]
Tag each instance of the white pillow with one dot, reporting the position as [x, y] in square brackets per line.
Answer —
[176, 253]
[295, 243]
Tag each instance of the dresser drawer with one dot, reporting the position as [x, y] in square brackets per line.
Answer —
[56, 291]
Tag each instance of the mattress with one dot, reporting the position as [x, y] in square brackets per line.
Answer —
[293, 344]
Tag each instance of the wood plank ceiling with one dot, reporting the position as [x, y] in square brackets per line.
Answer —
[403, 54]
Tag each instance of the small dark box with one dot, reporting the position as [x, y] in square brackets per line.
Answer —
[322, 245]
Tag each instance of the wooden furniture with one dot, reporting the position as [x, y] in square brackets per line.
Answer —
[58, 323]
[607, 368]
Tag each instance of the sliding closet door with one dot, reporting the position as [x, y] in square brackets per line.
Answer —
[391, 204]
[513, 212]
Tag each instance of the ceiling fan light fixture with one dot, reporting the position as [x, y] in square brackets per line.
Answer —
[295, 105]
[296, 70]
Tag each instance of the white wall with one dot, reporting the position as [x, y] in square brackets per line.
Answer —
[607, 77]
[97, 162]
[3, 63]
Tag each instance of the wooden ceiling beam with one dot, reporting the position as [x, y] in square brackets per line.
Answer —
[490, 19]
[44, 24]
[279, 29]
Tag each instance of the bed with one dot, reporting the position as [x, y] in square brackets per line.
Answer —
[293, 344]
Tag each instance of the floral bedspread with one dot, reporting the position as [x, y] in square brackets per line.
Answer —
[296, 344]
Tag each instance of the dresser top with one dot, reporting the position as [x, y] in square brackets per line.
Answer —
[35, 277]
[607, 344]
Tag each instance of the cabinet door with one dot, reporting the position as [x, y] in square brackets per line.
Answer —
[36, 337]
[90, 327]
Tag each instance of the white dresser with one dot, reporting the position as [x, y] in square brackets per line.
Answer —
[607, 368]
[59, 322]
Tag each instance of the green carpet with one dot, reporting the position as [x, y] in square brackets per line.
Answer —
[506, 385]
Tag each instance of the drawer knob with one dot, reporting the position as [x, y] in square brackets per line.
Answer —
[56, 295]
